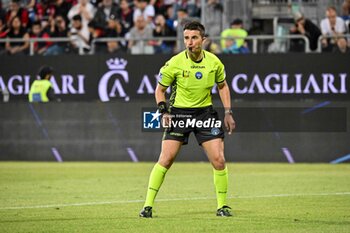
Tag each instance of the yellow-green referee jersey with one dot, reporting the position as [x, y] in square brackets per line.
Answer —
[191, 81]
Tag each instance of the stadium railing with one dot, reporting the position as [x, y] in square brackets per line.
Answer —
[32, 41]
[319, 43]
[254, 39]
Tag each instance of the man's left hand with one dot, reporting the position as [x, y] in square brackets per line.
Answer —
[230, 123]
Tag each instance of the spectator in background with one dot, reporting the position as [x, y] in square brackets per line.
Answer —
[160, 6]
[106, 13]
[342, 46]
[210, 45]
[58, 29]
[143, 8]
[333, 27]
[182, 19]
[126, 15]
[96, 3]
[346, 13]
[37, 32]
[15, 10]
[162, 30]
[307, 28]
[346, 9]
[85, 9]
[190, 5]
[141, 30]
[45, 12]
[31, 10]
[115, 30]
[2, 18]
[169, 15]
[79, 35]
[17, 32]
[231, 47]
[93, 34]
[3, 34]
[2, 11]
[236, 30]
[213, 17]
[62, 8]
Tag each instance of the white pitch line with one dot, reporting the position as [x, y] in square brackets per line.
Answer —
[172, 199]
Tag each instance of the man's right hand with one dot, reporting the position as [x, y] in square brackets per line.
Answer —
[166, 119]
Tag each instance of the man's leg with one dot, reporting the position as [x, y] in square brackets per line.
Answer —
[215, 152]
[170, 148]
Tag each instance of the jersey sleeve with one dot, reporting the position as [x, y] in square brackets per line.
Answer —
[167, 74]
[220, 73]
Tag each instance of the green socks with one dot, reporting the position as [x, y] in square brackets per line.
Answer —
[157, 176]
[155, 181]
[220, 182]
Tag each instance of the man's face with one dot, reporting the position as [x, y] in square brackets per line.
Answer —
[16, 23]
[142, 4]
[301, 21]
[14, 6]
[77, 24]
[107, 3]
[331, 15]
[83, 2]
[193, 41]
[36, 29]
[140, 22]
[181, 15]
[60, 22]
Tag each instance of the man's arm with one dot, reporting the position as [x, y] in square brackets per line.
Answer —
[225, 97]
[161, 102]
[160, 93]
[51, 95]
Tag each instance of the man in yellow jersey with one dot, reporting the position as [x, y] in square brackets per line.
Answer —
[41, 89]
[192, 74]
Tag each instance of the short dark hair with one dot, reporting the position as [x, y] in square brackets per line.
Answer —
[331, 8]
[182, 9]
[195, 25]
[77, 17]
[45, 70]
[237, 22]
[36, 23]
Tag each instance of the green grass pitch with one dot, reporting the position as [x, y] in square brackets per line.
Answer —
[106, 197]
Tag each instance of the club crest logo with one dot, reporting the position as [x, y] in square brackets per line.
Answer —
[117, 70]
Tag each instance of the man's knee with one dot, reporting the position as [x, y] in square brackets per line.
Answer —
[166, 159]
[219, 162]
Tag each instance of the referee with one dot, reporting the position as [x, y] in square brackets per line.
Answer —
[192, 74]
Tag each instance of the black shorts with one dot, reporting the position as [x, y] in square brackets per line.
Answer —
[203, 122]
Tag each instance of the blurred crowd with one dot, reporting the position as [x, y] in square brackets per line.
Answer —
[81, 23]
